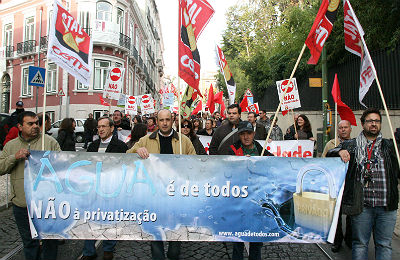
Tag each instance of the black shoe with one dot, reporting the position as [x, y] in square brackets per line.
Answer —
[336, 248]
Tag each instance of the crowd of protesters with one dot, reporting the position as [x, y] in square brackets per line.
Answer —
[373, 169]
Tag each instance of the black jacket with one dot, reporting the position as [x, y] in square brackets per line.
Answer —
[217, 138]
[353, 201]
[261, 133]
[115, 146]
[66, 140]
[198, 146]
[236, 149]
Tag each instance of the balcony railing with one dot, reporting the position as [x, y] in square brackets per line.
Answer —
[134, 52]
[44, 40]
[9, 51]
[124, 41]
[26, 47]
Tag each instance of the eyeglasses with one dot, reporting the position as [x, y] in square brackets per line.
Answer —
[185, 126]
[370, 121]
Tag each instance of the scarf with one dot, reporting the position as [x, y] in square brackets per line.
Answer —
[362, 153]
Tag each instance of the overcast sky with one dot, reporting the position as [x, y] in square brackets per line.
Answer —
[211, 35]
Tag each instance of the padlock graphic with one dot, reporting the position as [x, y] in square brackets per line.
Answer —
[314, 210]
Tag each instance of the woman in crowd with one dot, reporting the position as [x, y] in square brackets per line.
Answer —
[304, 130]
[196, 125]
[187, 129]
[66, 134]
[137, 120]
[151, 124]
[139, 130]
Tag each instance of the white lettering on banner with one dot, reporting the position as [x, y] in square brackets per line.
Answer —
[75, 26]
[322, 34]
[289, 148]
[189, 63]
[72, 60]
[193, 13]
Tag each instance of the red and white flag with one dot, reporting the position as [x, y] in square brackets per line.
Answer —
[210, 101]
[355, 43]
[70, 47]
[321, 29]
[230, 82]
[193, 17]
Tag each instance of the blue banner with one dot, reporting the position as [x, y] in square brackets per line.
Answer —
[76, 195]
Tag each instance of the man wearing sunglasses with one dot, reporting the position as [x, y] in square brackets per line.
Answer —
[370, 194]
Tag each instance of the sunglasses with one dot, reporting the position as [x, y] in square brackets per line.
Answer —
[185, 126]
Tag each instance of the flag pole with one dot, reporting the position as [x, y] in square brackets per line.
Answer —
[294, 124]
[280, 103]
[179, 84]
[336, 124]
[44, 104]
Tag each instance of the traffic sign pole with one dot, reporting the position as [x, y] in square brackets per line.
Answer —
[44, 105]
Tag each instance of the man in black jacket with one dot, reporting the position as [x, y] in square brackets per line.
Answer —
[226, 134]
[107, 143]
[259, 129]
[247, 146]
[370, 194]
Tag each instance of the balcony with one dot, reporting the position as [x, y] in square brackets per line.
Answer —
[124, 41]
[9, 51]
[26, 47]
[44, 41]
[134, 52]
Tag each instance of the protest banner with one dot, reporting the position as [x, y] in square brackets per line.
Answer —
[70, 47]
[168, 100]
[291, 99]
[114, 83]
[146, 104]
[131, 105]
[173, 197]
[288, 148]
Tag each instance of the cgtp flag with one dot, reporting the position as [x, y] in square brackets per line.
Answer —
[321, 29]
[355, 43]
[187, 102]
[230, 82]
[193, 17]
[69, 45]
[344, 111]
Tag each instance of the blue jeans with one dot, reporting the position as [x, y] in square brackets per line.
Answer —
[32, 246]
[157, 250]
[89, 248]
[254, 251]
[381, 223]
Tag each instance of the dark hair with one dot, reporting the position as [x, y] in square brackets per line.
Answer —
[263, 110]
[66, 124]
[138, 119]
[254, 113]
[152, 118]
[368, 111]
[307, 125]
[212, 121]
[46, 118]
[191, 132]
[197, 120]
[24, 114]
[110, 121]
[118, 111]
[138, 131]
[235, 106]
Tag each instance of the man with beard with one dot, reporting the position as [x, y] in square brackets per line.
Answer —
[370, 194]
[12, 161]
[226, 134]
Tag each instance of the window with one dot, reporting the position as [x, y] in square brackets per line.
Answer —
[80, 86]
[49, 21]
[120, 20]
[103, 11]
[131, 79]
[8, 31]
[84, 20]
[51, 86]
[29, 29]
[26, 89]
[100, 73]
[137, 40]
[132, 33]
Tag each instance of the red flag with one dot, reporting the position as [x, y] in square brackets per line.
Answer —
[198, 108]
[193, 17]
[321, 29]
[218, 99]
[210, 101]
[103, 102]
[344, 111]
[244, 104]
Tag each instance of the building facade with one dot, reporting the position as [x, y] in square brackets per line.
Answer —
[125, 33]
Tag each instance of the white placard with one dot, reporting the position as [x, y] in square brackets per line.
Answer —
[291, 99]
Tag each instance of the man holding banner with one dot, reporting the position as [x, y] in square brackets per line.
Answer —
[370, 194]
[163, 141]
[12, 161]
